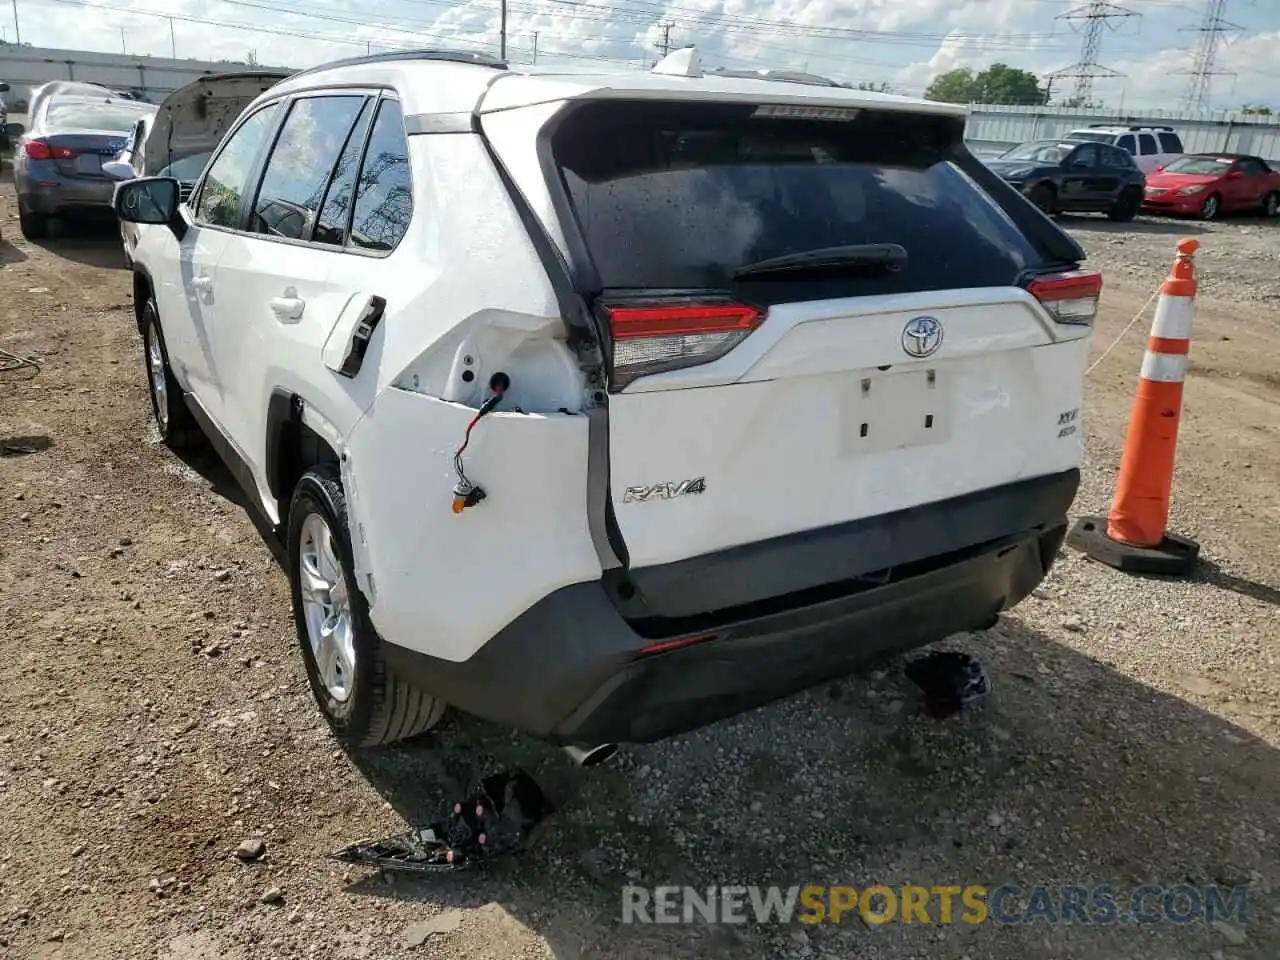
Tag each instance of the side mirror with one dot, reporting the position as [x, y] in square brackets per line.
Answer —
[4, 88]
[119, 170]
[147, 200]
[1159, 168]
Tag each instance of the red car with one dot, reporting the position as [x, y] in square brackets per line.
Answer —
[1207, 184]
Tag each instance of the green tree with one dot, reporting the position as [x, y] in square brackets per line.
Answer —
[880, 87]
[999, 83]
[1258, 111]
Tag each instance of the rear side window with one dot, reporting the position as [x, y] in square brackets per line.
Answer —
[1169, 143]
[1127, 144]
[332, 225]
[228, 177]
[384, 199]
[298, 169]
[1147, 144]
[680, 196]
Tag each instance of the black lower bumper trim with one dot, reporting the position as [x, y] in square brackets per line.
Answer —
[571, 668]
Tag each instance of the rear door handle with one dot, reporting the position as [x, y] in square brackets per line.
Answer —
[202, 283]
[287, 307]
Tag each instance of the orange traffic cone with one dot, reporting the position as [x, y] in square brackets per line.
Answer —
[1132, 537]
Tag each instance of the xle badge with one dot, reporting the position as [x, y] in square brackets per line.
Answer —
[665, 491]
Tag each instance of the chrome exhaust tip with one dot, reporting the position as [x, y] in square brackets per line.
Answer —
[591, 756]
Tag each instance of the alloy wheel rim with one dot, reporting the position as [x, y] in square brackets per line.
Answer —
[159, 383]
[1211, 208]
[326, 604]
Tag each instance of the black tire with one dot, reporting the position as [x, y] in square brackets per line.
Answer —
[1211, 208]
[1126, 207]
[178, 428]
[34, 226]
[380, 707]
[1271, 205]
[1045, 198]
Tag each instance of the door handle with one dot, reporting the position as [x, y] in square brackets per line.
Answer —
[202, 283]
[287, 308]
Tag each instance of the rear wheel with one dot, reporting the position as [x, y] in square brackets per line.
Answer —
[1271, 205]
[1126, 206]
[1212, 205]
[364, 702]
[1045, 198]
[34, 226]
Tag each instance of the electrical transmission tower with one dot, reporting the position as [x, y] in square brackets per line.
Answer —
[1094, 15]
[1212, 27]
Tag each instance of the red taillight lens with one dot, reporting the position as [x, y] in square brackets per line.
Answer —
[1069, 297]
[657, 337]
[39, 150]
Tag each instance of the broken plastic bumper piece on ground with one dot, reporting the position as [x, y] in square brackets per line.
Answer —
[949, 681]
[496, 821]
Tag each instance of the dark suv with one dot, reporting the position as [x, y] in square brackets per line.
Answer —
[1074, 176]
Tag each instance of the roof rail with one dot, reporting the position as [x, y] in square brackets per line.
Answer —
[786, 76]
[446, 56]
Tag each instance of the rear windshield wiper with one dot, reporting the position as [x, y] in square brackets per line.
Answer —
[887, 256]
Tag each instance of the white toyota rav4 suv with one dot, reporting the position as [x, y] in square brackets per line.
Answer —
[605, 405]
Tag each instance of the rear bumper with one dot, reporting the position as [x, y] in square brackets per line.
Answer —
[572, 669]
[51, 193]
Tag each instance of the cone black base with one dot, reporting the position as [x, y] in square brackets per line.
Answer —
[1175, 557]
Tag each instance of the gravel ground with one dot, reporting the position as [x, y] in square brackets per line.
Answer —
[157, 716]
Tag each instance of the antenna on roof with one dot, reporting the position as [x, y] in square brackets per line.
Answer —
[680, 63]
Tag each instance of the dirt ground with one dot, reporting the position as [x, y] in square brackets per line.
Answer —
[156, 713]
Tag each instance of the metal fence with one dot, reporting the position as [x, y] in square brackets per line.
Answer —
[992, 128]
[25, 67]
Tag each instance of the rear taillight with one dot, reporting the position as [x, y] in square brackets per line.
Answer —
[657, 337]
[1069, 297]
[39, 150]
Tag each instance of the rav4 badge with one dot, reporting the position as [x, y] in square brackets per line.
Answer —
[665, 491]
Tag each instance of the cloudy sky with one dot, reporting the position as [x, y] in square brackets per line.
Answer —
[902, 42]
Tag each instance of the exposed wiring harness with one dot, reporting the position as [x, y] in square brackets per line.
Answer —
[12, 363]
[465, 493]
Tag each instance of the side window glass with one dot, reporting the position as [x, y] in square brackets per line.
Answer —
[384, 198]
[1148, 144]
[1085, 157]
[1126, 144]
[228, 177]
[1169, 143]
[331, 227]
[301, 161]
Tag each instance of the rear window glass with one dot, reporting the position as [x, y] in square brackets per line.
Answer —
[680, 196]
[114, 117]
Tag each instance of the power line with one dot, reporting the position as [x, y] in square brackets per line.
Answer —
[1211, 29]
[1095, 15]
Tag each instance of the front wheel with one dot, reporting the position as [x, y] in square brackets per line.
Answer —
[1212, 205]
[1126, 207]
[174, 421]
[363, 701]
[1271, 205]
